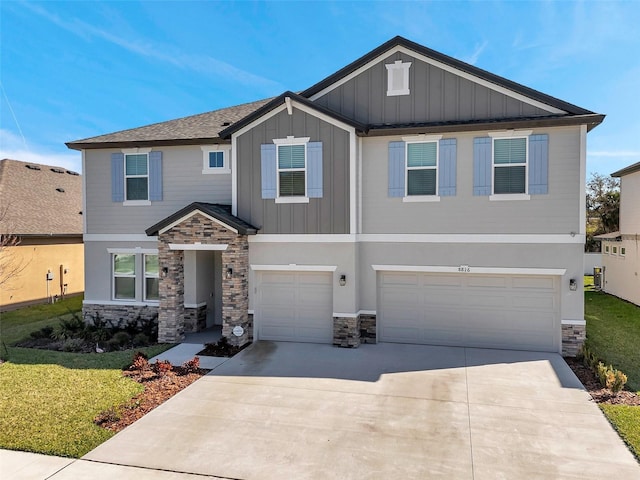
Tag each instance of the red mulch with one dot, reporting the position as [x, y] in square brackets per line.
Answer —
[599, 394]
[157, 389]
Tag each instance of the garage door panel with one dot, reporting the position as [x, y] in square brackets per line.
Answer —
[295, 306]
[471, 310]
[400, 279]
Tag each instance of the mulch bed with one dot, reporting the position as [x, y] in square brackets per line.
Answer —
[158, 388]
[599, 394]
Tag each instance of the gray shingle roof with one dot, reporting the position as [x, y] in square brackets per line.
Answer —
[187, 130]
[39, 199]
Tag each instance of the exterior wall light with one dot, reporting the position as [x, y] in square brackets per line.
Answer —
[229, 272]
[343, 280]
[573, 285]
[165, 270]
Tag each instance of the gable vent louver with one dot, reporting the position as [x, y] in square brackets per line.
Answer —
[32, 167]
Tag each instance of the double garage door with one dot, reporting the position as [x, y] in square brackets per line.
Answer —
[294, 306]
[489, 311]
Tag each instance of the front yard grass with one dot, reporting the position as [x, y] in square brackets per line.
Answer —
[613, 334]
[48, 399]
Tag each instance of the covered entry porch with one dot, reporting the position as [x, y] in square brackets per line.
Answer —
[207, 238]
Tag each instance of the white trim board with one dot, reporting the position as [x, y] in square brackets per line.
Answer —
[485, 83]
[198, 246]
[147, 251]
[473, 270]
[294, 268]
[126, 303]
[573, 322]
[195, 305]
[118, 237]
[566, 238]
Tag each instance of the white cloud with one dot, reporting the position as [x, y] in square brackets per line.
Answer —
[12, 146]
[473, 58]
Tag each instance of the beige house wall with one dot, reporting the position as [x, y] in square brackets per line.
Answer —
[622, 273]
[30, 286]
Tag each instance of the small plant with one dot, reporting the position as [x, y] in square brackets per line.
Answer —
[121, 339]
[162, 367]
[73, 345]
[140, 340]
[140, 362]
[44, 332]
[191, 366]
[71, 328]
[616, 380]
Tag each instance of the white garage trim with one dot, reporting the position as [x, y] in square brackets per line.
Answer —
[466, 269]
[574, 322]
[292, 267]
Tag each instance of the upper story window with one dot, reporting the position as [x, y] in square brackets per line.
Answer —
[292, 170]
[398, 78]
[136, 172]
[509, 165]
[422, 168]
[215, 159]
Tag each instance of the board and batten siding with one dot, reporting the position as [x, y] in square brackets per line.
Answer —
[182, 184]
[435, 96]
[630, 204]
[328, 214]
[557, 212]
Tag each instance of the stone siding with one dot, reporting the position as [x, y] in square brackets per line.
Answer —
[573, 337]
[118, 313]
[368, 328]
[235, 286]
[195, 319]
[346, 332]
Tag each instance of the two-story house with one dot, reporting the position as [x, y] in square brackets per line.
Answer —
[621, 250]
[409, 197]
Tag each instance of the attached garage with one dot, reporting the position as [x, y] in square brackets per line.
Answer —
[294, 306]
[517, 312]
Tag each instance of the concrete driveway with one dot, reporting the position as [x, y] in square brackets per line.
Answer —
[304, 411]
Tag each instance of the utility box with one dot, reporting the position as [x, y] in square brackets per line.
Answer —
[597, 277]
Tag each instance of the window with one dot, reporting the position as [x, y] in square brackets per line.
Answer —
[292, 167]
[124, 276]
[151, 278]
[422, 168]
[398, 78]
[614, 250]
[215, 159]
[136, 176]
[606, 249]
[623, 251]
[509, 165]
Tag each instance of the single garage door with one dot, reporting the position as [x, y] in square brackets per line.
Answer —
[489, 311]
[295, 306]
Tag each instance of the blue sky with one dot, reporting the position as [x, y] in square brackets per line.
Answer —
[71, 70]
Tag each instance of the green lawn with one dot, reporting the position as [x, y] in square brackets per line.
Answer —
[48, 400]
[613, 333]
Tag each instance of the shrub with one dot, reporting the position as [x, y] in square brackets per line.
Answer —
[44, 332]
[73, 345]
[191, 366]
[162, 367]
[616, 380]
[72, 328]
[140, 340]
[140, 362]
[122, 339]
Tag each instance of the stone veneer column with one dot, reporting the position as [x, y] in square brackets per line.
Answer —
[346, 332]
[171, 287]
[573, 337]
[235, 291]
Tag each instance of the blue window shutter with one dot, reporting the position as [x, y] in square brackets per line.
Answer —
[268, 170]
[447, 168]
[117, 177]
[538, 164]
[314, 169]
[482, 166]
[396, 169]
[155, 176]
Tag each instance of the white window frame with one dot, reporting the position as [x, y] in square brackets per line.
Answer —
[506, 136]
[136, 151]
[421, 139]
[145, 275]
[285, 142]
[392, 69]
[614, 249]
[623, 253]
[606, 249]
[226, 159]
[114, 276]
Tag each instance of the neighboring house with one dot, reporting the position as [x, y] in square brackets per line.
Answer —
[621, 250]
[41, 205]
[409, 197]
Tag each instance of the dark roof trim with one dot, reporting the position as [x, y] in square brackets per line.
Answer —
[219, 212]
[145, 143]
[482, 125]
[447, 60]
[279, 100]
[627, 170]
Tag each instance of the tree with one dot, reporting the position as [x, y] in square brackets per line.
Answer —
[603, 208]
[11, 265]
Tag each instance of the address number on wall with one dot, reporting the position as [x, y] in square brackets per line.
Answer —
[464, 268]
